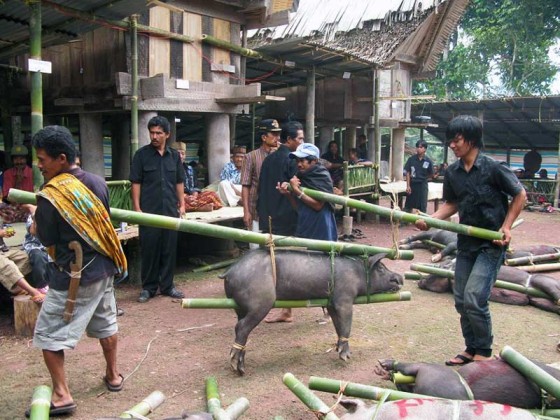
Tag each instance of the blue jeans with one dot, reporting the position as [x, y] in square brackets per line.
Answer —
[475, 275]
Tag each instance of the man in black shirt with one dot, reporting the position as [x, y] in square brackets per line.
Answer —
[157, 177]
[477, 187]
[419, 169]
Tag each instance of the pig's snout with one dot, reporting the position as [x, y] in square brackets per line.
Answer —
[396, 282]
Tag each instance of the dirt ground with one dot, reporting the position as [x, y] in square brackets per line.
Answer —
[167, 348]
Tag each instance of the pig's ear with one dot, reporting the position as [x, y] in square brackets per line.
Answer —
[351, 404]
[374, 259]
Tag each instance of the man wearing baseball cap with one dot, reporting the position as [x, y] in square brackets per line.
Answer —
[269, 134]
[315, 218]
[19, 176]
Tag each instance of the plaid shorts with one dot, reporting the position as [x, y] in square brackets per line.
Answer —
[95, 313]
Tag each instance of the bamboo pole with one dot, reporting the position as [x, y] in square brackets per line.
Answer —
[531, 291]
[40, 403]
[210, 267]
[529, 369]
[144, 407]
[217, 231]
[399, 378]
[224, 303]
[308, 398]
[552, 413]
[118, 183]
[532, 258]
[352, 389]
[434, 244]
[404, 216]
[539, 267]
[237, 408]
[225, 45]
[35, 41]
[413, 275]
[213, 400]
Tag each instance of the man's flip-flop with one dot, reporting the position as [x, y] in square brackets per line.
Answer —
[463, 361]
[62, 410]
[114, 388]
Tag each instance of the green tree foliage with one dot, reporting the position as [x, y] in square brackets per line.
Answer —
[505, 40]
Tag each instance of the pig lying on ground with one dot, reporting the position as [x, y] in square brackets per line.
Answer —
[543, 282]
[444, 237]
[432, 409]
[490, 380]
[301, 275]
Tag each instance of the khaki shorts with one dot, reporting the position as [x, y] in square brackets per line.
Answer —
[95, 313]
[14, 264]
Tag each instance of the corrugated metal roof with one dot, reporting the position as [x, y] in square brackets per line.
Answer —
[58, 27]
[329, 17]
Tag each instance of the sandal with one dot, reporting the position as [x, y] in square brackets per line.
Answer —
[114, 388]
[463, 361]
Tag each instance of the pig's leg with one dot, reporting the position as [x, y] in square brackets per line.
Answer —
[340, 311]
[417, 237]
[248, 319]
[448, 250]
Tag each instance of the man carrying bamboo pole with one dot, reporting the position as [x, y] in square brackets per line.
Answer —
[477, 187]
[73, 206]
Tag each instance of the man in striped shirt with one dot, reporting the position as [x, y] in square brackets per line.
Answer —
[269, 133]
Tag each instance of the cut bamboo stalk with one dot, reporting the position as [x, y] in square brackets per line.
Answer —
[217, 231]
[531, 291]
[213, 400]
[539, 267]
[40, 403]
[404, 216]
[533, 372]
[308, 398]
[224, 303]
[552, 413]
[413, 275]
[533, 258]
[434, 244]
[210, 267]
[237, 408]
[352, 389]
[144, 407]
[399, 378]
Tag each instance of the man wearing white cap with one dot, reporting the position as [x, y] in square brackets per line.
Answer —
[315, 218]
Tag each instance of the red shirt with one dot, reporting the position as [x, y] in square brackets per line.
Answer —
[26, 183]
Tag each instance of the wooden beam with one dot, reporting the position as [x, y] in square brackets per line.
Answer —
[250, 99]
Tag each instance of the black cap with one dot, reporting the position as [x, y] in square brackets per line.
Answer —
[269, 125]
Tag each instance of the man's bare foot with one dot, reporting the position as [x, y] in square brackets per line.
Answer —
[283, 316]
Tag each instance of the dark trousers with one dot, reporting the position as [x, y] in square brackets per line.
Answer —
[158, 249]
[418, 198]
[38, 260]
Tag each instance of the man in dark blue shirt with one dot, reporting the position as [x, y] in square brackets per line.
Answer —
[477, 187]
[419, 169]
[157, 177]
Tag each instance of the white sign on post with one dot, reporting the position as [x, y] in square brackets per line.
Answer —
[39, 66]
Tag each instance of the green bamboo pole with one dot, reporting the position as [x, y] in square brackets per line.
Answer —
[35, 40]
[217, 231]
[399, 378]
[552, 413]
[144, 407]
[220, 43]
[119, 182]
[224, 303]
[134, 81]
[413, 275]
[532, 258]
[308, 398]
[352, 389]
[40, 403]
[539, 267]
[404, 216]
[213, 400]
[531, 291]
[533, 372]
[345, 186]
[237, 408]
[434, 244]
[210, 267]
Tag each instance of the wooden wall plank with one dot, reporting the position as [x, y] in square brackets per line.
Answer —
[221, 31]
[143, 46]
[192, 53]
[159, 47]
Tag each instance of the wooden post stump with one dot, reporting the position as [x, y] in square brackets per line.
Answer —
[25, 315]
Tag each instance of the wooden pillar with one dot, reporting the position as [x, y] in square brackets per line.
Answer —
[16, 131]
[310, 107]
[120, 135]
[397, 161]
[143, 133]
[326, 134]
[217, 144]
[35, 47]
[172, 129]
[91, 144]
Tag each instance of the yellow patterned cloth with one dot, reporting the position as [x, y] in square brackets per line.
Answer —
[85, 212]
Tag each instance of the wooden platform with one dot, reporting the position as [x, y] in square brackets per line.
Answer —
[225, 214]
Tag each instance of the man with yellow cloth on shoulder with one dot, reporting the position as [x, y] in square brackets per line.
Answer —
[73, 206]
